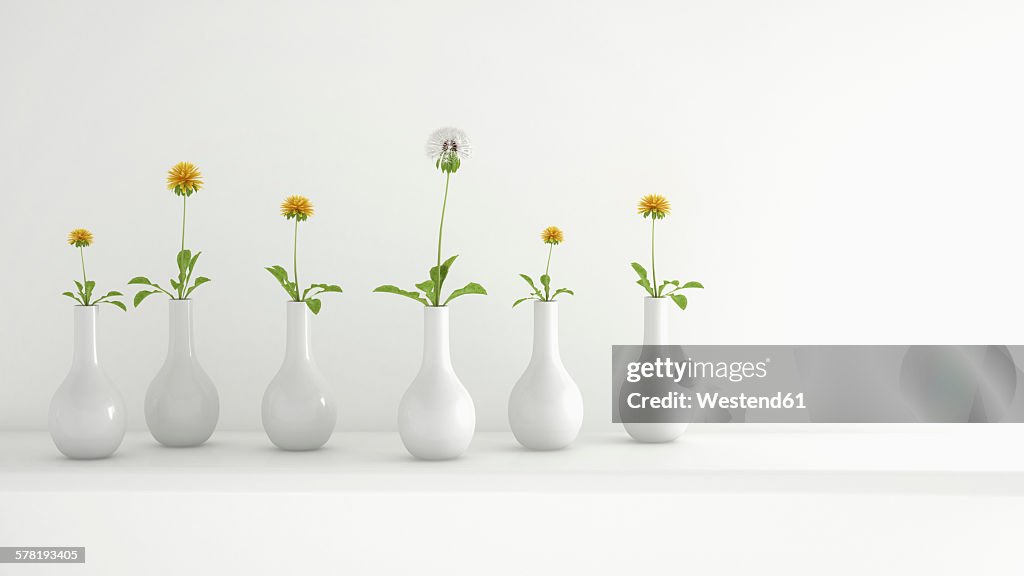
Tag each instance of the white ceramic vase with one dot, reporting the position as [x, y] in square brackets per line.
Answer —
[86, 413]
[182, 405]
[545, 409]
[656, 312]
[299, 412]
[436, 417]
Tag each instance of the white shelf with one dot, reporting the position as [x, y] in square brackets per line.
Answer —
[936, 459]
[797, 497]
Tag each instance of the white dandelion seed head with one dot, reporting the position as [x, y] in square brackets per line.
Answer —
[448, 142]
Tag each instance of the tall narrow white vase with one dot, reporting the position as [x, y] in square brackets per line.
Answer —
[545, 409]
[182, 405]
[86, 413]
[656, 312]
[436, 417]
[299, 412]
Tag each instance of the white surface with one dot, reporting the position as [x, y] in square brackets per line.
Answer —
[936, 459]
[519, 533]
[739, 500]
[842, 172]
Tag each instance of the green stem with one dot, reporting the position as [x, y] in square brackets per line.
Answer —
[85, 279]
[184, 206]
[547, 289]
[295, 259]
[440, 232]
[654, 274]
[184, 201]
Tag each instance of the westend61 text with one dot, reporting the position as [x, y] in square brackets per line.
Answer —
[709, 400]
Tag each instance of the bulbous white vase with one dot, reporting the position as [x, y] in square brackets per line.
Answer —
[86, 413]
[182, 405]
[545, 409]
[436, 417]
[299, 412]
[655, 334]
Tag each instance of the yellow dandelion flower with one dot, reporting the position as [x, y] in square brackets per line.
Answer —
[552, 235]
[80, 238]
[298, 207]
[655, 206]
[184, 179]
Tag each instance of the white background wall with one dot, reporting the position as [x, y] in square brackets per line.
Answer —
[841, 172]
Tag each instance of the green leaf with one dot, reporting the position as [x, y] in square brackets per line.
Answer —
[89, 286]
[445, 266]
[643, 281]
[693, 285]
[389, 289]
[117, 303]
[199, 282]
[183, 259]
[78, 284]
[562, 291]
[191, 266]
[142, 296]
[545, 281]
[521, 300]
[532, 285]
[427, 287]
[471, 288]
[314, 305]
[110, 294]
[282, 278]
[73, 297]
[148, 282]
[438, 276]
[680, 300]
[322, 289]
[278, 272]
[192, 261]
